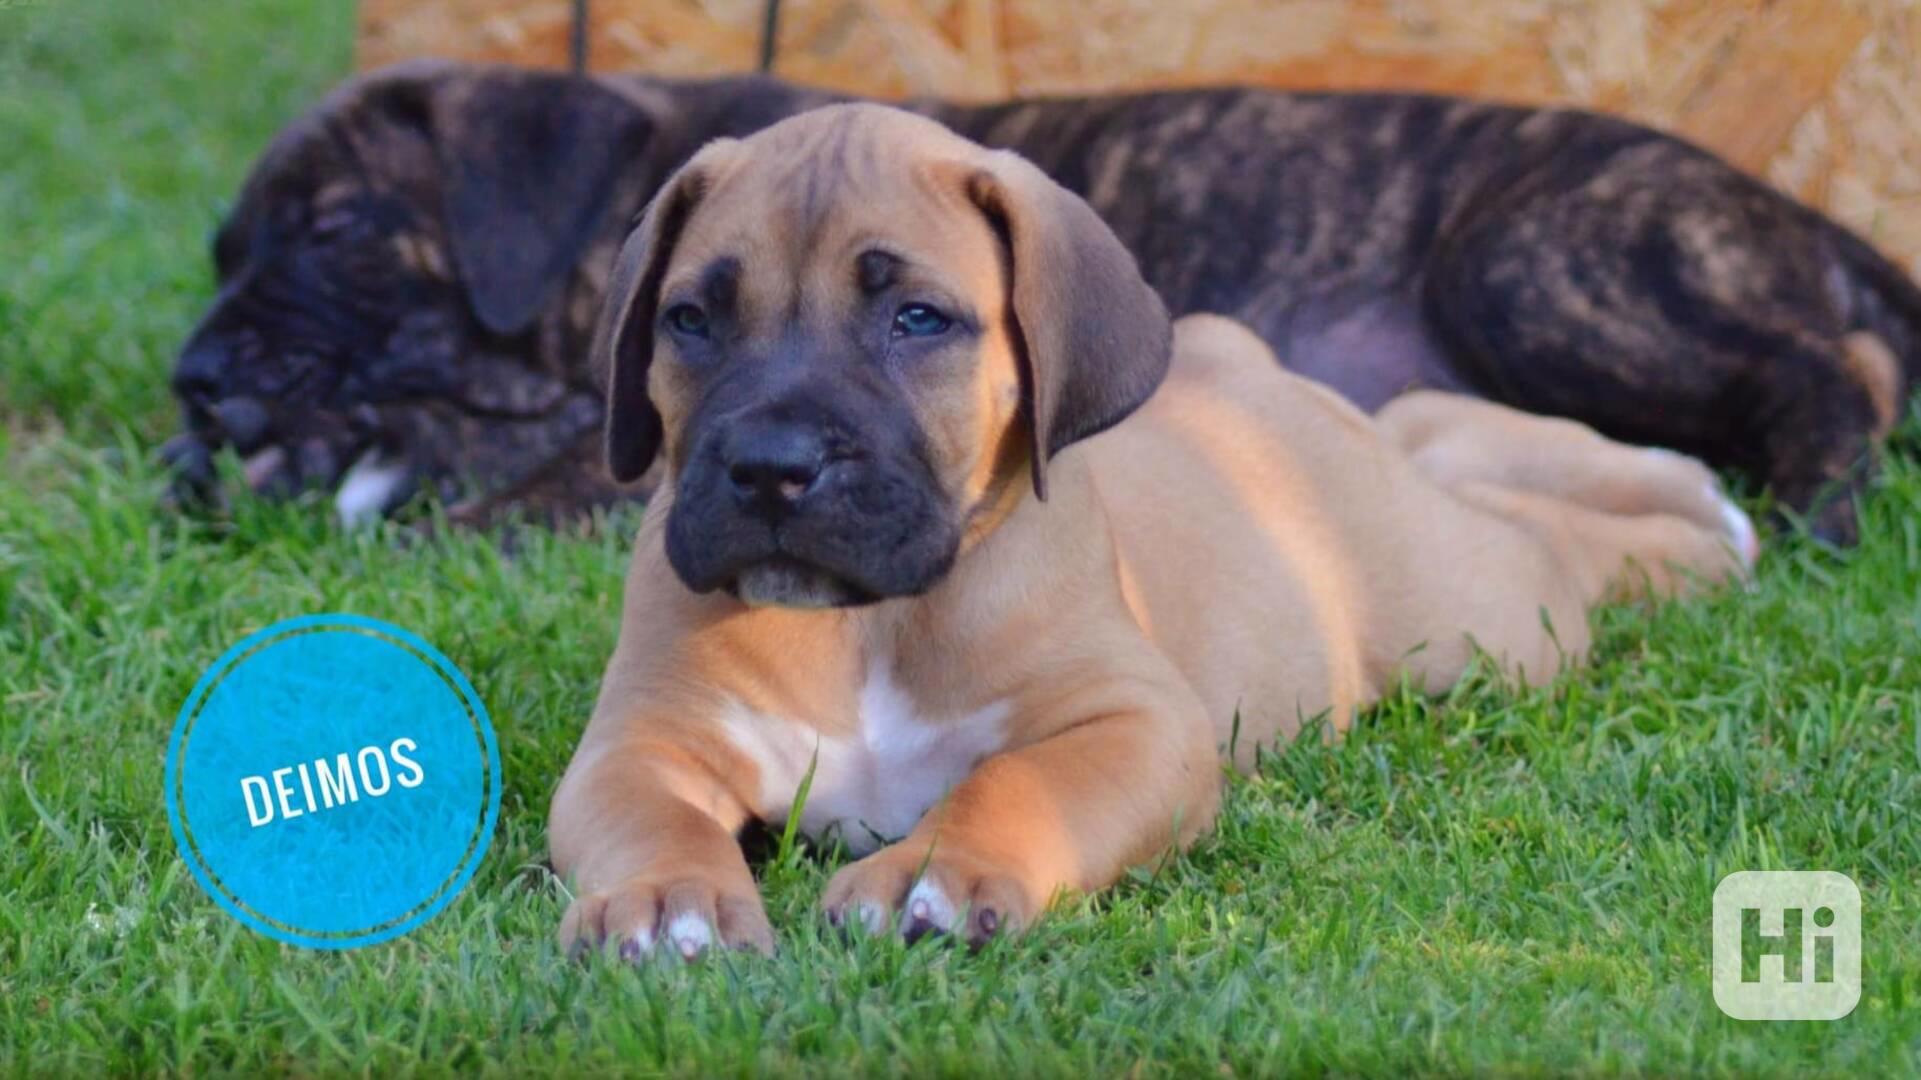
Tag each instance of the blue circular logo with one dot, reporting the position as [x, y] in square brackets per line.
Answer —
[333, 781]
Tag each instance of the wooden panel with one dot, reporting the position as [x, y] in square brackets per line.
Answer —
[1823, 97]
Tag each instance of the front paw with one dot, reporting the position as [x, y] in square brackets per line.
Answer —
[954, 890]
[684, 916]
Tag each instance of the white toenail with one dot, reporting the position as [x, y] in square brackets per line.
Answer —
[872, 916]
[1740, 528]
[644, 940]
[930, 905]
[690, 934]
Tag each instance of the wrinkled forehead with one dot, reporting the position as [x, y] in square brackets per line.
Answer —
[804, 206]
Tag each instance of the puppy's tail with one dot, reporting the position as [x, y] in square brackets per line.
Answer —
[1883, 307]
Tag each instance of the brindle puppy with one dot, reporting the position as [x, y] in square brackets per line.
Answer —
[409, 275]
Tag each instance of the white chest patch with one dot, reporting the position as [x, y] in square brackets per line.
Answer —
[872, 786]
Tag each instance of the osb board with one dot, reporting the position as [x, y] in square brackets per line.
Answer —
[1823, 97]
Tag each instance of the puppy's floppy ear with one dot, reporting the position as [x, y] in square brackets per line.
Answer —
[623, 345]
[1093, 338]
[530, 162]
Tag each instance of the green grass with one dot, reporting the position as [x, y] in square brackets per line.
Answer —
[1497, 881]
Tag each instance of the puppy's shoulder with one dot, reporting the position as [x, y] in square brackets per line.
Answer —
[1226, 393]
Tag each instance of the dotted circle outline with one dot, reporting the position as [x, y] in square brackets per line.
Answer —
[264, 639]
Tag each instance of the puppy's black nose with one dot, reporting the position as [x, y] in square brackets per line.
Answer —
[773, 466]
[197, 374]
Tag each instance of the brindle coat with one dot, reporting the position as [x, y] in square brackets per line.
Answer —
[408, 277]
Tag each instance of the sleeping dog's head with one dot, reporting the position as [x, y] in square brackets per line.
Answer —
[855, 336]
[393, 274]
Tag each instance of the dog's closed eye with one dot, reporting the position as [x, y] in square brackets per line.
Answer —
[334, 223]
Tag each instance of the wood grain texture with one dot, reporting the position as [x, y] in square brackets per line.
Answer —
[1822, 97]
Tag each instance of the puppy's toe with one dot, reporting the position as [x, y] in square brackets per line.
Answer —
[583, 927]
[928, 910]
[865, 895]
[632, 922]
[1678, 484]
[742, 924]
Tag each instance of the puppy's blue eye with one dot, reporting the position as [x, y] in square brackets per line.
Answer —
[920, 320]
[686, 319]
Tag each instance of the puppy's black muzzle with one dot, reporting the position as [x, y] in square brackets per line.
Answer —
[826, 483]
[200, 383]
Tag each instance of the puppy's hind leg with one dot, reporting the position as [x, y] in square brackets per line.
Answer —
[1615, 558]
[1455, 440]
[1525, 524]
